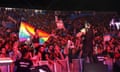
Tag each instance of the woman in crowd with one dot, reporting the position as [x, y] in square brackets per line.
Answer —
[15, 54]
[3, 53]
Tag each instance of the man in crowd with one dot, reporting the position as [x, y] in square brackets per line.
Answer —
[24, 64]
[88, 44]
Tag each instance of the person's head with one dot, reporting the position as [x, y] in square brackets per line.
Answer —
[36, 30]
[15, 48]
[3, 51]
[87, 25]
[41, 48]
[25, 46]
[7, 46]
[57, 48]
[51, 47]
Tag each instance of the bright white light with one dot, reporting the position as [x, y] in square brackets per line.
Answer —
[28, 39]
[6, 60]
[36, 11]
[40, 11]
[83, 30]
[41, 70]
[117, 25]
[8, 8]
[113, 23]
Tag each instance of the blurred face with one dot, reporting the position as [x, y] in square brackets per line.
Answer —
[15, 48]
[25, 46]
[7, 46]
[50, 47]
[37, 31]
[57, 48]
[3, 50]
[42, 49]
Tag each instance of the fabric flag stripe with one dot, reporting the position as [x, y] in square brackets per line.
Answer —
[26, 31]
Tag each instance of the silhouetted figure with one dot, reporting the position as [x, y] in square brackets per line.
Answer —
[88, 44]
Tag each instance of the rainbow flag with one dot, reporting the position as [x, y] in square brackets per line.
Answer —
[26, 31]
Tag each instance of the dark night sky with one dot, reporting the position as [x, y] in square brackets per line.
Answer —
[96, 5]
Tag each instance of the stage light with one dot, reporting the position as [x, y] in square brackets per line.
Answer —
[41, 70]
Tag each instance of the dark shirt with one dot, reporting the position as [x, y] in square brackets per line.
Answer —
[57, 55]
[51, 55]
[88, 44]
[23, 65]
[44, 55]
[41, 68]
[88, 40]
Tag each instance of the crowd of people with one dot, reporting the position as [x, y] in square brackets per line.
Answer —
[66, 43]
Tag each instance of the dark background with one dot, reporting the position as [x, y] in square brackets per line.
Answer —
[64, 5]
